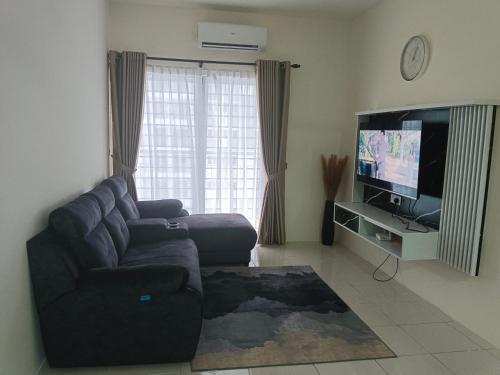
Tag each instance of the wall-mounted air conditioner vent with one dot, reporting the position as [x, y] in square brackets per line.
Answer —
[231, 37]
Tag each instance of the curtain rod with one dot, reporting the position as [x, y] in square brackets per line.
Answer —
[201, 62]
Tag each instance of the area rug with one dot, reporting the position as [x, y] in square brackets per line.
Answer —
[266, 316]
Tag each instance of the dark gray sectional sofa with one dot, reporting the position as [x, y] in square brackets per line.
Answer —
[115, 284]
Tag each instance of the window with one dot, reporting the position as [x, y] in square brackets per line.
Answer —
[200, 140]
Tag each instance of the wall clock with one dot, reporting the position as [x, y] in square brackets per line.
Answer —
[415, 57]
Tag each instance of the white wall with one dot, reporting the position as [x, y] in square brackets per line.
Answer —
[320, 91]
[464, 65]
[52, 142]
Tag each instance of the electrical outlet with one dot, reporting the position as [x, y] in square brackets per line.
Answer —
[395, 200]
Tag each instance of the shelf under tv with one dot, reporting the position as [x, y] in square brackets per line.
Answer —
[365, 221]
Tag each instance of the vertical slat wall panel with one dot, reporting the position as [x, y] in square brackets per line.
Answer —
[465, 186]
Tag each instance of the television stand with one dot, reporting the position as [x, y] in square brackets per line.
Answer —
[366, 221]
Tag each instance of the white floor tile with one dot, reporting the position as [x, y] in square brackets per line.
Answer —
[350, 368]
[386, 292]
[414, 312]
[399, 341]
[357, 278]
[285, 370]
[495, 352]
[479, 362]
[440, 338]
[348, 294]
[414, 365]
[482, 343]
[372, 314]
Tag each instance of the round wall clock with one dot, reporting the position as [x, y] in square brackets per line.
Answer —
[414, 58]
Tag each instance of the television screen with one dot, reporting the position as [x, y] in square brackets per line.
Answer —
[389, 157]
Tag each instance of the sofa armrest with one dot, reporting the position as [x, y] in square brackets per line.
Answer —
[138, 281]
[128, 315]
[155, 230]
[163, 208]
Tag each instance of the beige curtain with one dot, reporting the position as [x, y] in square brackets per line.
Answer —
[127, 71]
[273, 90]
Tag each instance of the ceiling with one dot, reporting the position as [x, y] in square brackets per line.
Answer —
[347, 9]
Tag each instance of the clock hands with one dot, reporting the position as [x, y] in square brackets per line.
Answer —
[414, 55]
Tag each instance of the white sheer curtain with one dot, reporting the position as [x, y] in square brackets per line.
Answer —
[200, 140]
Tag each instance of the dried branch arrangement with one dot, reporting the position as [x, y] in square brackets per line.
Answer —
[332, 174]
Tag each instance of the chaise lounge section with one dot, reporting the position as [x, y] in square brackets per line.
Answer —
[115, 284]
[221, 239]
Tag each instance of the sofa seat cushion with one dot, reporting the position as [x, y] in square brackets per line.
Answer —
[177, 252]
[220, 232]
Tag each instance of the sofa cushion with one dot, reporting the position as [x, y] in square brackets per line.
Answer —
[118, 230]
[112, 217]
[105, 197]
[124, 201]
[97, 249]
[79, 222]
[127, 207]
[177, 252]
[117, 184]
[220, 232]
[156, 279]
[77, 218]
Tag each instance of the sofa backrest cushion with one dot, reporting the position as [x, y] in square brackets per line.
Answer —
[112, 218]
[97, 249]
[124, 201]
[79, 222]
[105, 197]
[117, 184]
[77, 218]
[118, 230]
[127, 207]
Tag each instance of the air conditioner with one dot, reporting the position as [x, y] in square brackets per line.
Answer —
[231, 37]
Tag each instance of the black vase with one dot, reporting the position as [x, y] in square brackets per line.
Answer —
[328, 229]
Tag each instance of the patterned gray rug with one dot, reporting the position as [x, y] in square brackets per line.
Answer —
[265, 316]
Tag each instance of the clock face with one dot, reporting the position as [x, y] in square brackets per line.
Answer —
[414, 58]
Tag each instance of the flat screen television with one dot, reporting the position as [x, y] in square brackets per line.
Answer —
[388, 156]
